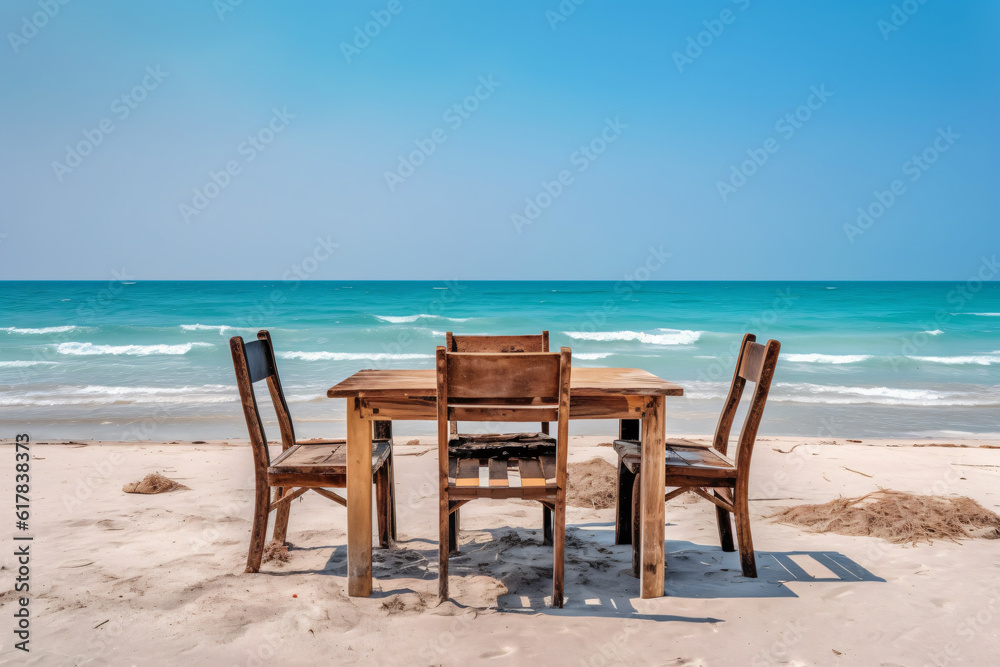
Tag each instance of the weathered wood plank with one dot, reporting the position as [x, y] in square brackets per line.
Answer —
[562, 455]
[531, 472]
[581, 407]
[753, 362]
[308, 479]
[498, 472]
[501, 445]
[501, 413]
[444, 472]
[651, 572]
[501, 492]
[286, 497]
[623, 503]
[506, 344]
[320, 459]
[398, 383]
[331, 496]
[501, 376]
[359, 496]
[468, 472]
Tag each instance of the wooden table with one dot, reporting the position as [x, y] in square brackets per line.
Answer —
[595, 393]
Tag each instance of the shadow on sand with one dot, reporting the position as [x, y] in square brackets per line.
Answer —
[599, 580]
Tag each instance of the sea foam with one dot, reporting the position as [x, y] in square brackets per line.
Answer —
[590, 356]
[665, 337]
[221, 328]
[800, 392]
[406, 319]
[89, 349]
[44, 330]
[25, 364]
[804, 392]
[977, 359]
[350, 356]
[112, 395]
[827, 358]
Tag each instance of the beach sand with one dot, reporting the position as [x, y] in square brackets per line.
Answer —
[125, 579]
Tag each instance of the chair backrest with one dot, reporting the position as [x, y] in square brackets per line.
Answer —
[508, 344]
[253, 362]
[754, 364]
[503, 387]
[530, 343]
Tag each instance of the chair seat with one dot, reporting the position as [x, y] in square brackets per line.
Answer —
[322, 458]
[683, 458]
[505, 445]
[473, 477]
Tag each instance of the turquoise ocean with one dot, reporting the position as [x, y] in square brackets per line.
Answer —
[150, 360]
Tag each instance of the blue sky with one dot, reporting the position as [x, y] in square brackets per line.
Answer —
[580, 140]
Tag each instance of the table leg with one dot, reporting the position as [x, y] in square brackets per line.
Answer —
[652, 503]
[359, 502]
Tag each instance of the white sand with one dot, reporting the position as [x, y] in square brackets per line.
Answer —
[164, 573]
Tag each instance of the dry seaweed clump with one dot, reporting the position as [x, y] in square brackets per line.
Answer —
[897, 517]
[592, 484]
[154, 482]
[276, 551]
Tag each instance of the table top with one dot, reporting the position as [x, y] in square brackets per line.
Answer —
[402, 383]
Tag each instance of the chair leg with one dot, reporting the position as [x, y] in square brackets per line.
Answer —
[382, 507]
[392, 496]
[262, 502]
[623, 504]
[546, 526]
[725, 527]
[444, 537]
[453, 528]
[558, 549]
[741, 507]
[636, 523]
[382, 430]
[281, 519]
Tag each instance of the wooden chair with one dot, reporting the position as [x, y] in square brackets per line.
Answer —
[518, 387]
[541, 441]
[316, 465]
[706, 470]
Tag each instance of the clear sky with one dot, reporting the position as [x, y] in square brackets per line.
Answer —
[741, 137]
